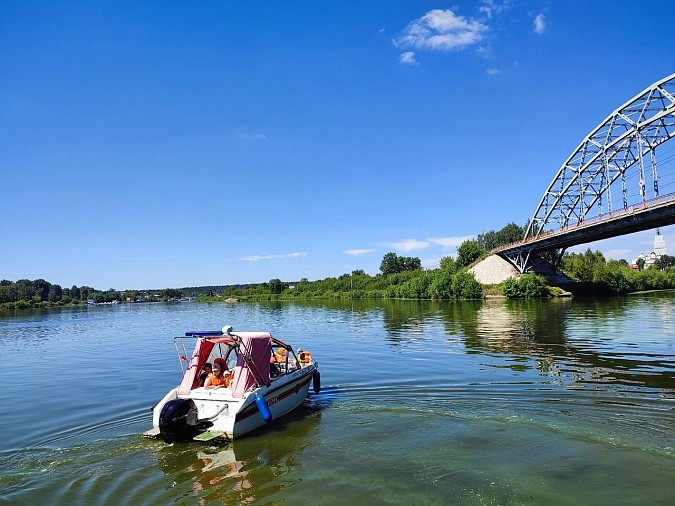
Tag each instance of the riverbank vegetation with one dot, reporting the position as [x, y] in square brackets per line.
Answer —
[399, 278]
[24, 293]
[593, 275]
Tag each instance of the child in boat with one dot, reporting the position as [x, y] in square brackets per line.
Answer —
[206, 370]
[216, 379]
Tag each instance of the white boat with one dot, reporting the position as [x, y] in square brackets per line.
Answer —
[265, 380]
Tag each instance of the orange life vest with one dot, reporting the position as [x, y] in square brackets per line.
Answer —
[216, 381]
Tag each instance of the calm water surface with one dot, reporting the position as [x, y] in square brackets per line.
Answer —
[546, 402]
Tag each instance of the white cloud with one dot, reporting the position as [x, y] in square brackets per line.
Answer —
[430, 263]
[449, 242]
[408, 58]
[255, 258]
[357, 252]
[442, 30]
[493, 72]
[540, 24]
[251, 137]
[490, 7]
[618, 254]
[408, 245]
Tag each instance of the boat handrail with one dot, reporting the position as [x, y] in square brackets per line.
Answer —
[184, 356]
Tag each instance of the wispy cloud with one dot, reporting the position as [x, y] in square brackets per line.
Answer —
[540, 24]
[490, 7]
[442, 30]
[408, 245]
[251, 137]
[430, 263]
[255, 258]
[449, 242]
[618, 254]
[492, 72]
[357, 252]
[408, 58]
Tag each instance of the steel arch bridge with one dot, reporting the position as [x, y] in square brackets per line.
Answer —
[609, 185]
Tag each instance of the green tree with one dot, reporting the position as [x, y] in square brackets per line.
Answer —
[389, 264]
[54, 294]
[526, 287]
[532, 285]
[581, 266]
[488, 240]
[25, 290]
[41, 289]
[510, 233]
[392, 264]
[85, 291]
[276, 286]
[417, 287]
[614, 276]
[171, 293]
[465, 286]
[448, 264]
[468, 252]
[664, 261]
[410, 264]
[441, 286]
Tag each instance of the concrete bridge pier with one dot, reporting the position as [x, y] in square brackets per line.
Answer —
[494, 270]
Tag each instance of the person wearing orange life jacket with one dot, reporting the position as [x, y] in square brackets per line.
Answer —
[274, 366]
[281, 355]
[216, 379]
[304, 356]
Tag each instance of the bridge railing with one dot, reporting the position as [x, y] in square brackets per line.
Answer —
[641, 206]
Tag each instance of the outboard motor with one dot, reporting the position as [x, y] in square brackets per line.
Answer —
[178, 421]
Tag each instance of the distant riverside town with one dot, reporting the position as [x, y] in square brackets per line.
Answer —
[653, 257]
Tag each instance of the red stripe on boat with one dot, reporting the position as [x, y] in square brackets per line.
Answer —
[253, 408]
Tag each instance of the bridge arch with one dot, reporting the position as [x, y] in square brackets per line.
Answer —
[612, 155]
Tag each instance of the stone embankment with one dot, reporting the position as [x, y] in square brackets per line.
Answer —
[494, 270]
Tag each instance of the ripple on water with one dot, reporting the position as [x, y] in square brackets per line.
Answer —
[504, 404]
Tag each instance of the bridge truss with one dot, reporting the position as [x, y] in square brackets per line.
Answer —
[620, 153]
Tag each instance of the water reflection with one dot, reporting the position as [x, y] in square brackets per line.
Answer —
[251, 469]
[573, 337]
[515, 326]
[481, 402]
[580, 341]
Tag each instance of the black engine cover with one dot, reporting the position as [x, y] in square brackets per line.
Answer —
[178, 421]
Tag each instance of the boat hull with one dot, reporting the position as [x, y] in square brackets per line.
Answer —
[280, 398]
[233, 417]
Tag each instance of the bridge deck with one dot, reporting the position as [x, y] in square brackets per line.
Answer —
[649, 214]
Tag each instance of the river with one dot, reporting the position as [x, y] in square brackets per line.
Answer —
[496, 402]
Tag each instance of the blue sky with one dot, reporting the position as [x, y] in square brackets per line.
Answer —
[171, 144]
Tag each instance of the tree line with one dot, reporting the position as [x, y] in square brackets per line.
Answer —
[400, 277]
[403, 277]
[26, 293]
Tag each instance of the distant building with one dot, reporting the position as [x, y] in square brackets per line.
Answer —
[659, 245]
[651, 258]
